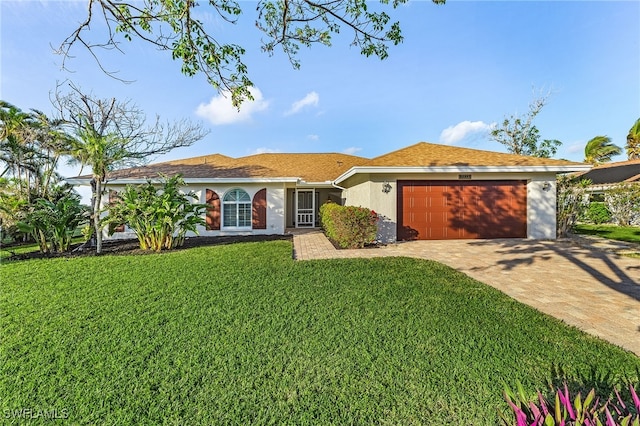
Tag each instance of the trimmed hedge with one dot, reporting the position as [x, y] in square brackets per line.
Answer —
[349, 226]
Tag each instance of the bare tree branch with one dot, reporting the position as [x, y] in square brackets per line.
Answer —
[139, 139]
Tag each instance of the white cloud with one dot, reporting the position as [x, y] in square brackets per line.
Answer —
[221, 111]
[454, 134]
[311, 99]
[351, 150]
[313, 137]
[264, 150]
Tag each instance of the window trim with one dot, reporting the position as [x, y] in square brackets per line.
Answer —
[236, 203]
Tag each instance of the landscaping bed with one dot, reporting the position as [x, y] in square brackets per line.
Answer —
[130, 246]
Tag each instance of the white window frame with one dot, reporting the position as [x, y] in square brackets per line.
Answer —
[237, 202]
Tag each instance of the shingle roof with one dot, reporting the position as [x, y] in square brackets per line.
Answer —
[622, 171]
[308, 167]
[324, 167]
[425, 154]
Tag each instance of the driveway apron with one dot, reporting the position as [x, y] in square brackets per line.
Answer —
[583, 285]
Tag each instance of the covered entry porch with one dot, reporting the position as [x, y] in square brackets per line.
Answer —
[303, 204]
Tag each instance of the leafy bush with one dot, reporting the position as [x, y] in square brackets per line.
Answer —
[349, 226]
[589, 411]
[7, 236]
[570, 203]
[53, 224]
[623, 201]
[598, 213]
[161, 217]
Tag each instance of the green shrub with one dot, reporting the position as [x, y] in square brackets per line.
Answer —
[53, 224]
[349, 226]
[598, 213]
[566, 410]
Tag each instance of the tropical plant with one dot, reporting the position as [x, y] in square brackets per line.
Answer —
[109, 134]
[160, 217]
[36, 224]
[568, 410]
[53, 224]
[600, 150]
[623, 201]
[12, 202]
[633, 141]
[67, 215]
[571, 203]
[99, 152]
[15, 152]
[30, 148]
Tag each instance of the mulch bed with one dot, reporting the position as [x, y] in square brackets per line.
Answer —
[120, 247]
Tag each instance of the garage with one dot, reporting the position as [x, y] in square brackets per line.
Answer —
[444, 210]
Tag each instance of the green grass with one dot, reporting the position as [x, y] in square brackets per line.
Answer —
[621, 233]
[6, 252]
[242, 334]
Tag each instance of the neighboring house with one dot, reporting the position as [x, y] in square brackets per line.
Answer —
[424, 191]
[604, 176]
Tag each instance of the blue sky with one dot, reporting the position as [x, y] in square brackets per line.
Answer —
[462, 67]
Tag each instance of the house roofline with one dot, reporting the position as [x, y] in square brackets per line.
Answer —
[460, 169]
[137, 181]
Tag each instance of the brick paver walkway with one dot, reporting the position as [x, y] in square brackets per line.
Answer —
[583, 284]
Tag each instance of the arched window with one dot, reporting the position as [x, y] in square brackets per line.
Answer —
[236, 209]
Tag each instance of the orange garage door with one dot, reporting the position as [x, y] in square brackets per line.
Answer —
[443, 210]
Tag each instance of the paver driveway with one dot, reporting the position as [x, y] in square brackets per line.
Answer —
[587, 287]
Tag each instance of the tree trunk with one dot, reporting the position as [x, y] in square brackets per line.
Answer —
[97, 199]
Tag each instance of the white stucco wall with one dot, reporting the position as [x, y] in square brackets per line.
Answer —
[541, 207]
[366, 190]
[275, 208]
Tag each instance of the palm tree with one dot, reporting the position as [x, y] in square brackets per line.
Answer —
[16, 152]
[600, 150]
[101, 153]
[109, 134]
[30, 147]
[53, 141]
[633, 141]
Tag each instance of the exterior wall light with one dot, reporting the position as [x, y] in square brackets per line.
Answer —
[386, 187]
[546, 186]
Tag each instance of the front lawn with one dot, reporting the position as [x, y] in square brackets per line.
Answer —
[621, 233]
[242, 334]
[7, 251]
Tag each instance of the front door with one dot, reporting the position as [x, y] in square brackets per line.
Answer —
[305, 209]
